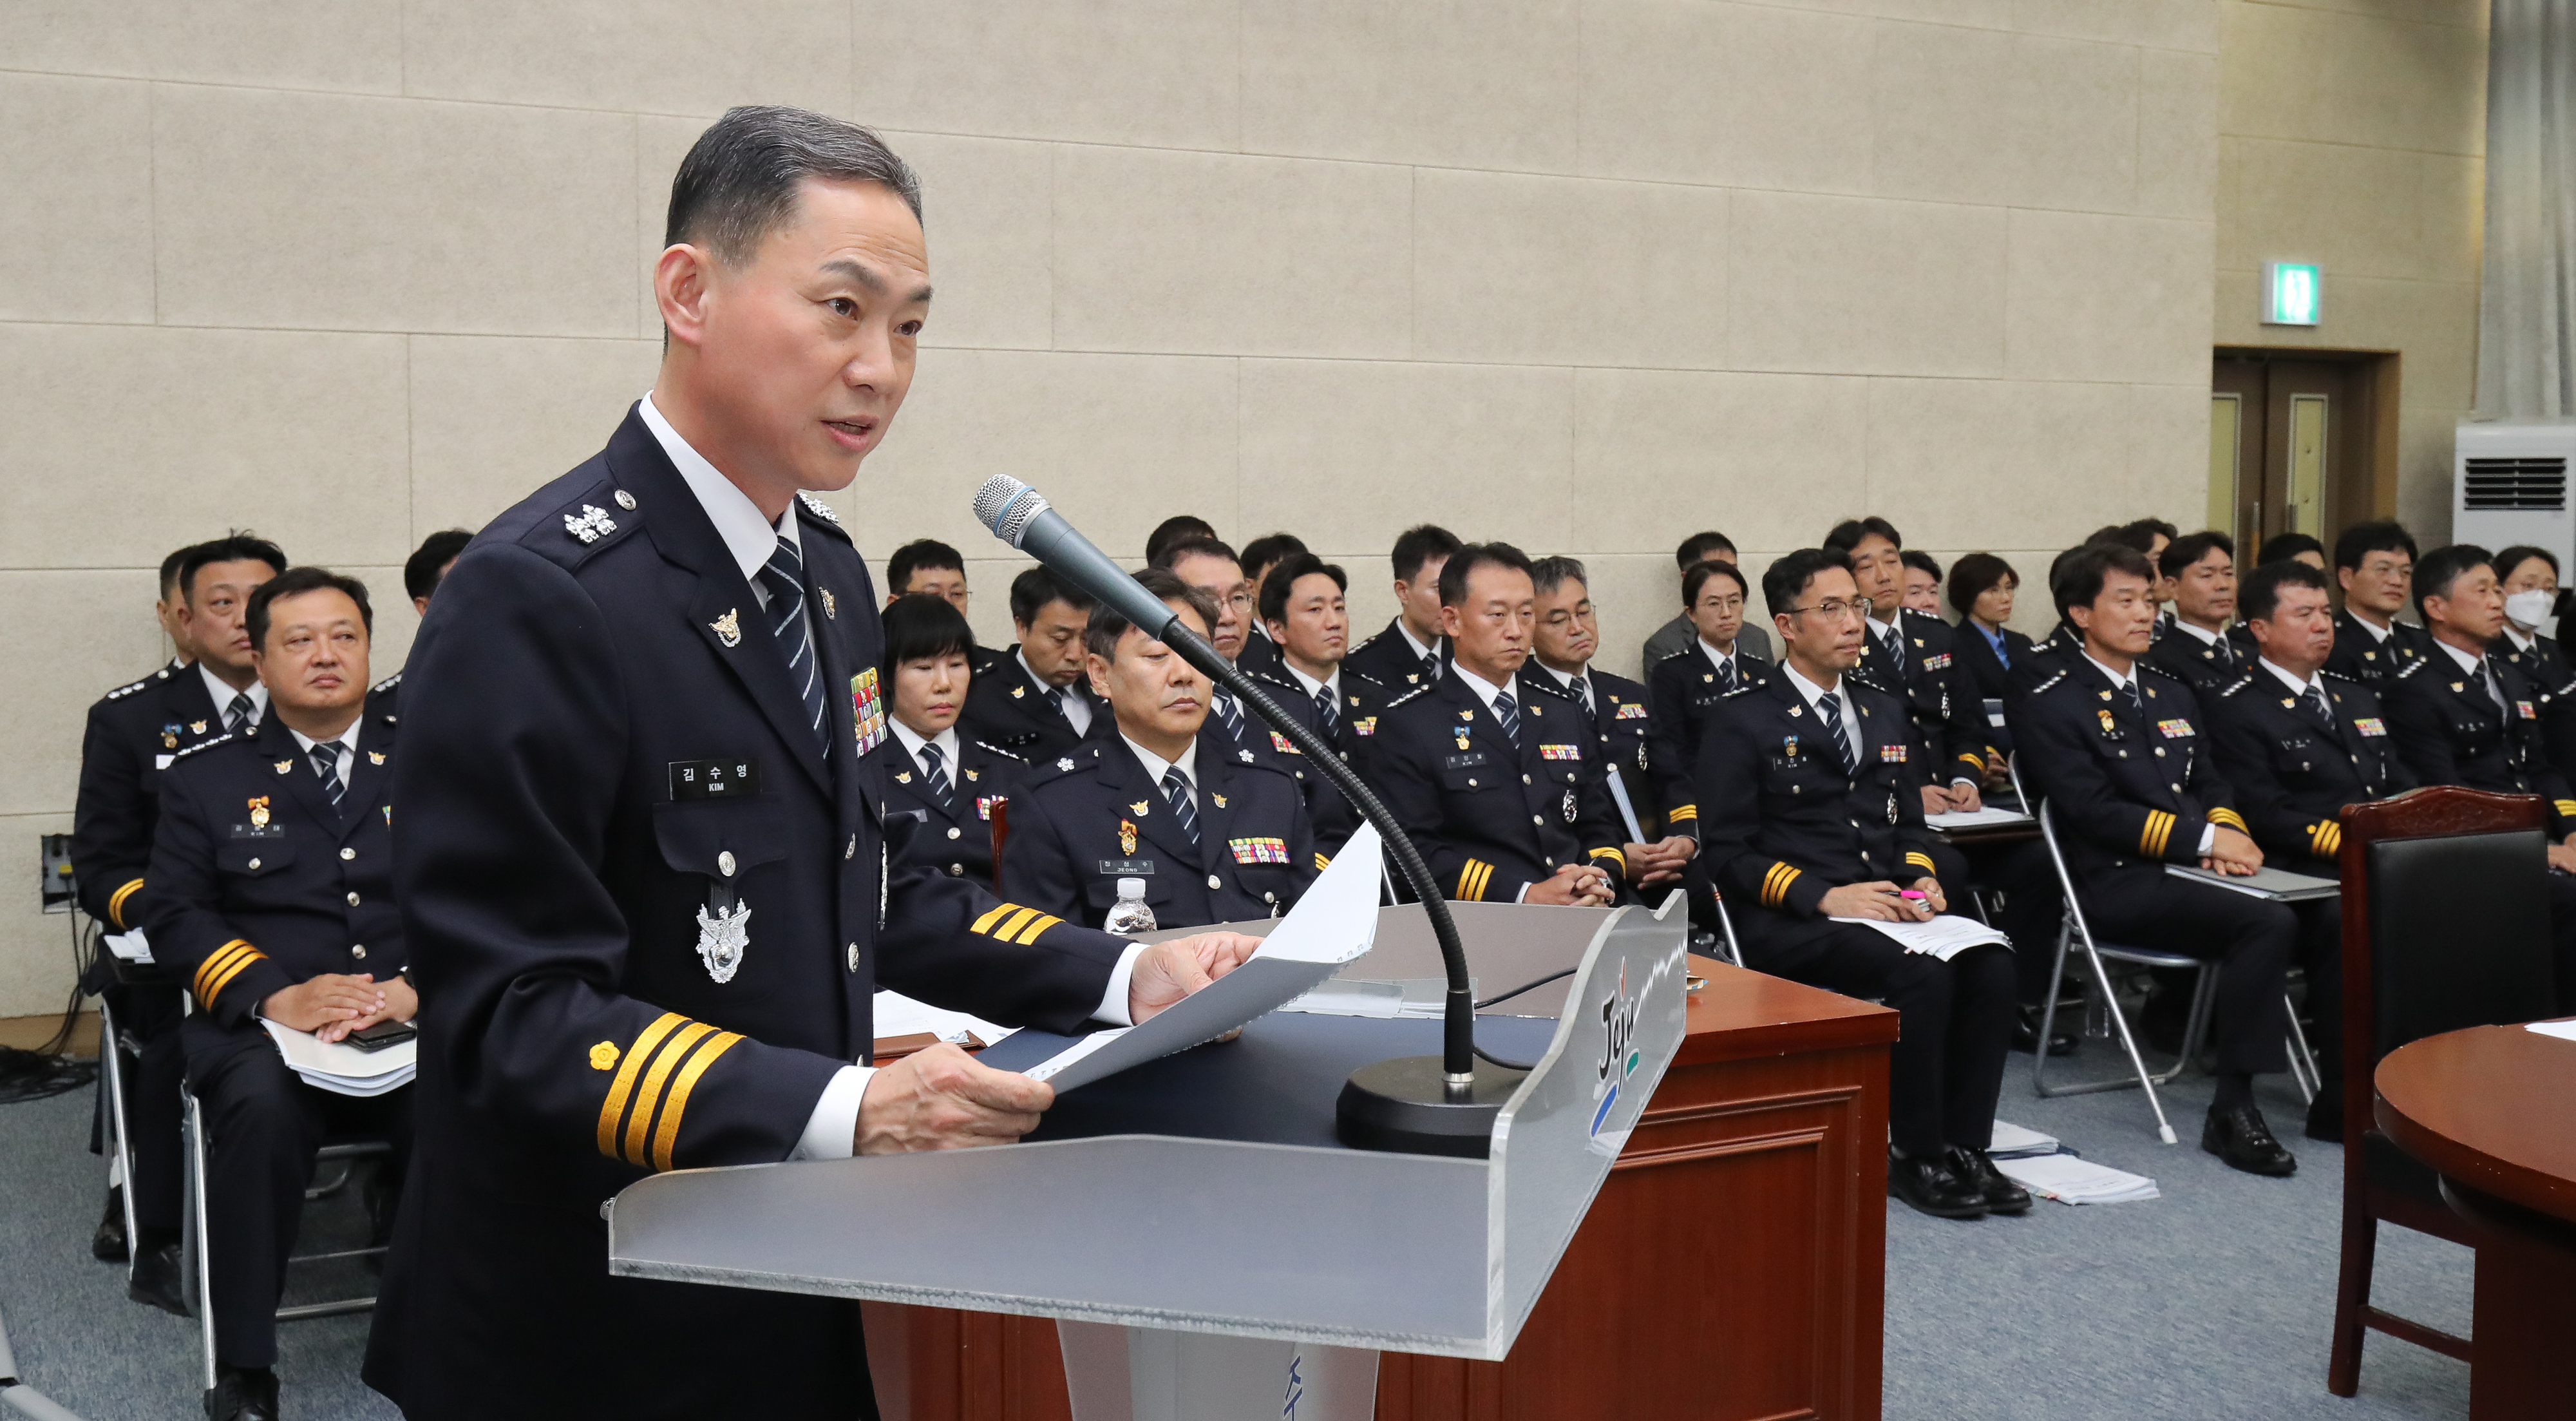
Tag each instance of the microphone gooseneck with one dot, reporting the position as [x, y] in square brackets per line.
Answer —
[1020, 516]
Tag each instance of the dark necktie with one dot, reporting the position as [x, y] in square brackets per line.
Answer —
[1177, 790]
[1055, 697]
[2316, 703]
[784, 576]
[1830, 707]
[1582, 689]
[1895, 647]
[933, 778]
[2137, 707]
[1510, 712]
[1228, 713]
[1328, 713]
[240, 712]
[2226, 653]
[326, 766]
[1726, 674]
[1431, 663]
[2486, 673]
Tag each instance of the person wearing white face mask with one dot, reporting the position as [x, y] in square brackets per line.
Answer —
[2529, 577]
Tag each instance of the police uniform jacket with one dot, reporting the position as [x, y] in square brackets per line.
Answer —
[1490, 817]
[1992, 675]
[1007, 708]
[2553, 683]
[2451, 732]
[134, 734]
[1355, 714]
[1781, 824]
[1388, 659]
[1942, 697]
[2131, 788]
[1678, 634]
[1086, 820]
[2293, 772]
[955, 838]
[260, 882]
[2359, 655]
[1684, 695]
[1621, 723]
[1260, 653]
[2201, 665]
[606, 763]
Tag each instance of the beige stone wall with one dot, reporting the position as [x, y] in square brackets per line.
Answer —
[1584, 274]
[2352, 133]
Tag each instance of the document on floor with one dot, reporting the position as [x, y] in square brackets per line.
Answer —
[343, 1069]
[2563, 1030]
[1944, 937]
[1990, 817]
[1332, 924]
[2069, 1180]
[2012, 1141]
[2276, 884]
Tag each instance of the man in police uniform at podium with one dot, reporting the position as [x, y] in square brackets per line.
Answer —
[642, 863]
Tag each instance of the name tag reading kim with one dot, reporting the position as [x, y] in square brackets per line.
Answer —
[715, 779]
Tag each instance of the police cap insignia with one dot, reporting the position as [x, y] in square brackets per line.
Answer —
[728, 628]
[591, 524]
[196, 727]
[285, 765]
[375, 757]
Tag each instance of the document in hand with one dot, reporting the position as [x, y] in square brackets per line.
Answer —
[894, 1014]
[130, 946]
[1944, 937]
[2272, 883]
[343, 1069]
[1332, 924]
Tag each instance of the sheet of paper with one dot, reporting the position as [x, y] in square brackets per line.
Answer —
[2563, 1030]
[129, 946]
[2069, 1180]
[338, 1066]
[1944, 937]
[1332, 924]
[898, 1015]
[2010, 1140]
[1986, 818]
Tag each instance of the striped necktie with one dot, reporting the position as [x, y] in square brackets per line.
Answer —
[326, 766]
[1510, 712]
[784, 576]
[241, 712]
[1177, 790]
[1830, 707]
[1228, 713]
[1328, 715]
[933, 778]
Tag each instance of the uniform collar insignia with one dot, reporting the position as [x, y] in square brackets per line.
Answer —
[1140, 808]
[817, 507]
[1246, 754]
[375, 757]
[1019, 691]
[831, 608]
[728, 628]
[196, 727]
[1220, 800]
[903, 777]
[285, 765]
[589, 525]
[970, 774]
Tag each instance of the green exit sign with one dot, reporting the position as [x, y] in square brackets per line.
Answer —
[2292, 294]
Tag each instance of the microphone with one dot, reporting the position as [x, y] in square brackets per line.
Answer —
[1444, 1104]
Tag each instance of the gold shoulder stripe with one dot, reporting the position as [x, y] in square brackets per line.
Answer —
[639, 1122]
[1029, 934]
[223, 979]
[116, 902]
[216, 961]
[985, 923]
[1322, 863]
[613, 1109]
[1019, 918]
[1681, 812]
[667, 1134]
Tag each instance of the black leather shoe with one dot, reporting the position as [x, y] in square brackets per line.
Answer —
[242, 1395]
[108, 1244]
[1992, 1185]
[2240, 1137]
[156, 1280]
[2325, 1115]
[2061, 1042]
[1927, 1185]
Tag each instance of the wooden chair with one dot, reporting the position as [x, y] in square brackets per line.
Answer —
[1001, 831]
[2445, 926]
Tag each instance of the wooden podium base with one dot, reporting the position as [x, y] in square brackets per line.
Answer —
[1732, 1268]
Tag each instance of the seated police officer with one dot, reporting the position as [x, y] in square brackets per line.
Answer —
[1210, 566]
[1675, 636]
[1261, 557]
[428, 564]
[2200, 568]
[1302, 603]
[2375, 564]
[272, 876]
[1685, 687]
[2116, 747]
[1914, 657]
[1216, 834]
[1497, 785]
[1408, 654]
[1982, 588]
[2528, 577]
[1563, 640]
[2465, 716]
[947, 785]
[1810, 811]
[1032, 701]
[2298, 743]
[133, 735]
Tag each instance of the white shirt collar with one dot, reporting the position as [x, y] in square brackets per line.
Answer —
[749, 536]
[1486, 690]
[2469, 662]
[946, 740]
[1808, 690]
[1563, 678]
[346, 739]
[2520, 641]
[1419, 649]
[1716, 657]
[1310, 685]
[2207, 638]
[2297, 686]
[1811, 693]
[1155, 765]
[2116, 678]
[2377, 632]
[223, 694]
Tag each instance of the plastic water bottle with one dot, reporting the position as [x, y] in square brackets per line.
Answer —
[1129, 915]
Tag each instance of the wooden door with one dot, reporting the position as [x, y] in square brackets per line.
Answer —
[2296, 443]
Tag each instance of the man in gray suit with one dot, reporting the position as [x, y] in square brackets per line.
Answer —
[1676, 634]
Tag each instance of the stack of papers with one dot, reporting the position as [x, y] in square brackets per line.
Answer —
[2069, 1180]
[1989, 817]
[1354, 996]
[129, 946]
[1945, 937]
[2017, 1142]
[898, 1015]
[2563, 1030]
[2279, 885]
[343, 1069]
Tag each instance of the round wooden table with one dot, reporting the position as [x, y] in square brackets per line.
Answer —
[2493, 1110]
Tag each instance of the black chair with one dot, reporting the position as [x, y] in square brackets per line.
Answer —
[2445, 926]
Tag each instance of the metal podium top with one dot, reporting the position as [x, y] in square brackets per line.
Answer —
[1209, 1223]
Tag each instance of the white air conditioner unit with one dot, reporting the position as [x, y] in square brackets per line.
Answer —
[2509, 486]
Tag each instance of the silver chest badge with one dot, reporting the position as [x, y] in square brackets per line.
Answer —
[590, 524]
[722, 938]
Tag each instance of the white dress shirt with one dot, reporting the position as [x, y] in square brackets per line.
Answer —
[347, 740]
[1156, 766]
[831, 1131]
[2297, 687]
[223, 695]
[1420, 650]
[946, 740]
[1810, 692]
[1076, 709]
[1723, 661]
[2377, 632]
[2477, 668]
[1566, 680]
[2520, 641]
[2129, 683]
[1310, 685]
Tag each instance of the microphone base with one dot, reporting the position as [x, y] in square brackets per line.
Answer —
[1406, 1106]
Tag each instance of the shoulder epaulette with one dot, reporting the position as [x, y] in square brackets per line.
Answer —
[1667, 656]
[2051, 681]
[204, 745]
[2339, 676]
[587, 523]
[2240, 683]
[1265, 674]
[1082, 757]
[2144, 665]
[126, 690]
[1409, 695]
[1372, 641]
[1352, 673]
[998, 750]
[2410, 668]
[823, 513]
[386, 684]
